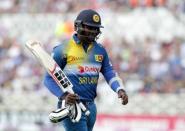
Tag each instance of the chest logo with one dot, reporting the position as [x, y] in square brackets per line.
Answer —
[98, 58]
[74, 58]
[85, 69]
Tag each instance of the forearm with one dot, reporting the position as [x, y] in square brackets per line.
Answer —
[113, 80]
[52, 86]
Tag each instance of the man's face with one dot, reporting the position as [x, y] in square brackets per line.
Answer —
[88, 33]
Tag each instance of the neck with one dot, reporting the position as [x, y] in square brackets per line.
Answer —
[84, 39]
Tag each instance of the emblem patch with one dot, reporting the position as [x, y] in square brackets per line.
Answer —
[98, 58]
[96, 18]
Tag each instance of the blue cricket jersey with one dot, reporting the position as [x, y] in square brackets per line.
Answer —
[82, 64]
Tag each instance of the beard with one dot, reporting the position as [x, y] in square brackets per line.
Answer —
[86, 39]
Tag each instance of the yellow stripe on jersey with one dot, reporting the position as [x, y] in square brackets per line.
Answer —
[75, 53]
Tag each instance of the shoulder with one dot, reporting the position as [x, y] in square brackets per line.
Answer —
[99, 45]
[60, 46]
[101, 48]
[58, 49]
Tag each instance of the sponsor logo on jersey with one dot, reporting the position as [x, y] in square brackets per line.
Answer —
[88, 80]
[83, 69]
[98, 58]
[74, 58]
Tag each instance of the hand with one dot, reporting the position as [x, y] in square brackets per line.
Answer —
[122, 94]
[71, 98]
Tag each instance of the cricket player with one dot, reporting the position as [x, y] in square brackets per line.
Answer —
[82, 59]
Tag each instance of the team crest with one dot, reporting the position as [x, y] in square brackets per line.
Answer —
[96, 18]
[98, 58]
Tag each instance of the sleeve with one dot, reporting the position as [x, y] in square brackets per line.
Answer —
[48, 81]
[110, 74]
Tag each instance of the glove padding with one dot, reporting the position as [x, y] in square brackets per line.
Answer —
[75, 113]
[58, 115]
[72, 111]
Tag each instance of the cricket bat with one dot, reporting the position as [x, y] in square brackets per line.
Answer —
[53, 69]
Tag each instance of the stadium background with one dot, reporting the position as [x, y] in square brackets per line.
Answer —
[146, 43]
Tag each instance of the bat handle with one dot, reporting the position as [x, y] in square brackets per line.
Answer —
[82, 106]
[84, 109]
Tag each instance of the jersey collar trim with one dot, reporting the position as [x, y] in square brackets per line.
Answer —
[77, 41]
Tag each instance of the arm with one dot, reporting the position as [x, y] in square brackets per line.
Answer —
[110, 74]
[48, 80]
[113, 79]
[52, 86]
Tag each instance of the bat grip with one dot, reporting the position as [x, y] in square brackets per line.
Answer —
[82, 106]
[84, 109]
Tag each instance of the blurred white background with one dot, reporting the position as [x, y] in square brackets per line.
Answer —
[146, 43]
